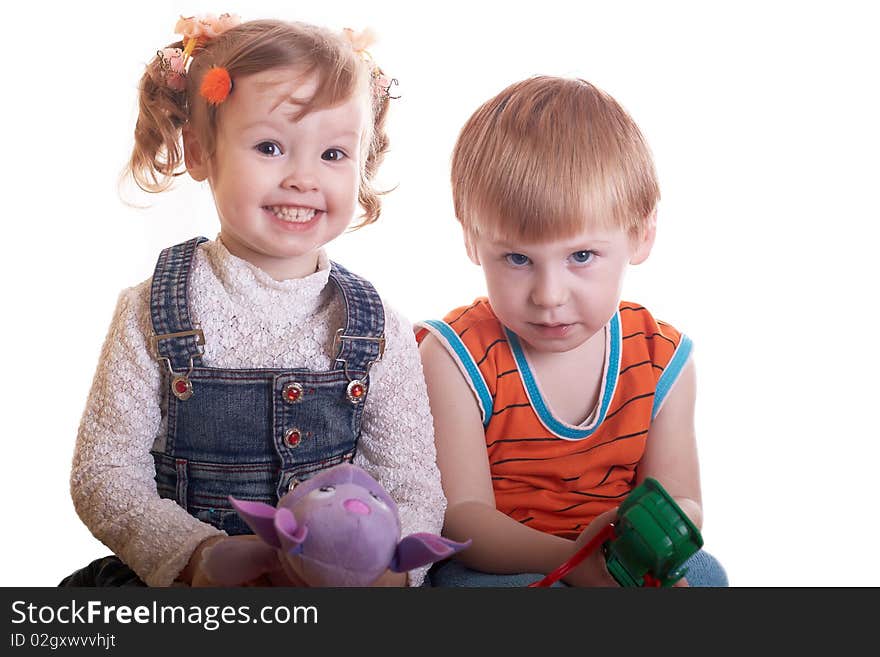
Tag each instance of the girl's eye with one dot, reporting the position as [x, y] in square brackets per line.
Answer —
[582, 257]
[269, 148]
[517, 259]
[332, 155]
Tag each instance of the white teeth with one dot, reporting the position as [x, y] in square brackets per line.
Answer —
[292, 214]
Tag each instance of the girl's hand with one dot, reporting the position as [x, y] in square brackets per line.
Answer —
[592, 571]
[240, 561]
[192, 573]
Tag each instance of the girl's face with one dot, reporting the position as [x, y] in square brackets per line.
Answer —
[284, 188]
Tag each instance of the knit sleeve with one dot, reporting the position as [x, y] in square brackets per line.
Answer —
[397, 436]
[112, 479]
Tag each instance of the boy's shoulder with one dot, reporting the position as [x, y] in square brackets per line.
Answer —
[644, 337]
[635, 317]
[475, 318]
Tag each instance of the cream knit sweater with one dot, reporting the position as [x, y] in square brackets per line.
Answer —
[250, 321]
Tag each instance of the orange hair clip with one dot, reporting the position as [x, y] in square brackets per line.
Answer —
[216, 85]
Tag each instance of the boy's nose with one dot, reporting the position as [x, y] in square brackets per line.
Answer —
[548, 292]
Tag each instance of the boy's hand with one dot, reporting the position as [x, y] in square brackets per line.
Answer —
[592, 571]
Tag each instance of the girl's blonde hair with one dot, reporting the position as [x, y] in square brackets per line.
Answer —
[546, 158]
[253, 47]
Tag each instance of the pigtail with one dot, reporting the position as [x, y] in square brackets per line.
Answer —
[157, 156]
[369, 196]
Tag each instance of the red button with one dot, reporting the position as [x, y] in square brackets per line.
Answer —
[293, 393]
[292, 437]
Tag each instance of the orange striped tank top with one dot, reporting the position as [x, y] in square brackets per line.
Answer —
[548, 474]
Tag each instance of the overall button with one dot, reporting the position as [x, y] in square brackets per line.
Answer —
[293, 393]
[292, 437]
[181, 387]
[356, 391]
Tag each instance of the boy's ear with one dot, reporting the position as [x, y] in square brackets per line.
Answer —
[470, 247]
[645, 242]
[194, 156]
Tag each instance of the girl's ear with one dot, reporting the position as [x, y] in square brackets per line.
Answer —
[193, 156]
[641, 247]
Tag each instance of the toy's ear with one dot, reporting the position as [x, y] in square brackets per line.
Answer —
[290, 533]
[235, 560]
[259, 517]
[419, 549]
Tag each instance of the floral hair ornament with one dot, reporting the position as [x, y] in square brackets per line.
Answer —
[196, 31]
[359, 42]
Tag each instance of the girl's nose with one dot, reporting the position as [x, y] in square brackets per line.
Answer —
[354, 505]
[301, 178]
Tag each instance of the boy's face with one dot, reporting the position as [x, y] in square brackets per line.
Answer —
[283, 187]
[555, 295]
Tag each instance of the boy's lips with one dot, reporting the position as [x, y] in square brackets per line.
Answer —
[551, 330]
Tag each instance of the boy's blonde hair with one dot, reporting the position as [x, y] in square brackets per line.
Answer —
[546, 158]
[249, 48]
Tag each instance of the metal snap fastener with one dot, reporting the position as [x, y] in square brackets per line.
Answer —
[293, 393]
[356, 391]
[292, 437]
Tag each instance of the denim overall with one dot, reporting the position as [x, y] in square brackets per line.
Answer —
[250, 433]
[253, 433]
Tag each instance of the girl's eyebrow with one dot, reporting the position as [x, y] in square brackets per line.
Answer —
[260, 123]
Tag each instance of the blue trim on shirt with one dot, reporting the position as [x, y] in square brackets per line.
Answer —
[484, 398]
[559, 428]
[671, 373]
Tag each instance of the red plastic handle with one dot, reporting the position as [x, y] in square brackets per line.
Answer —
[606, 533]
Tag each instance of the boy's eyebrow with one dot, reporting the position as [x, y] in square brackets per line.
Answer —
[571, 245]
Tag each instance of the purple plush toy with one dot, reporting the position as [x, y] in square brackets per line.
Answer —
[339, 528]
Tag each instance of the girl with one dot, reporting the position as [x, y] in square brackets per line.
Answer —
[249, 363]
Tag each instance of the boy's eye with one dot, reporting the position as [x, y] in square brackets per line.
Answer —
[269, 148]
[332, 155]
[517, 259]
[582, 257]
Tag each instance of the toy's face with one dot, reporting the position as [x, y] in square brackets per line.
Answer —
[350, 520]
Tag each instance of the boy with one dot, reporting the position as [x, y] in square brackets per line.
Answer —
[552, 399]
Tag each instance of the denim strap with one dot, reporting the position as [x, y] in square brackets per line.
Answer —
[362, 341]
[169, 306]
[359, 343]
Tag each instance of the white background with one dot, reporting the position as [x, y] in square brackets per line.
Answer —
[763, 121]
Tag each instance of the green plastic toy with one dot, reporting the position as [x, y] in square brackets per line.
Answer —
[653, 539]
[648, 543]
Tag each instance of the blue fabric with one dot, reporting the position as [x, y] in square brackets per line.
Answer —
[670, 374]
[445, 332]
[703, 570]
